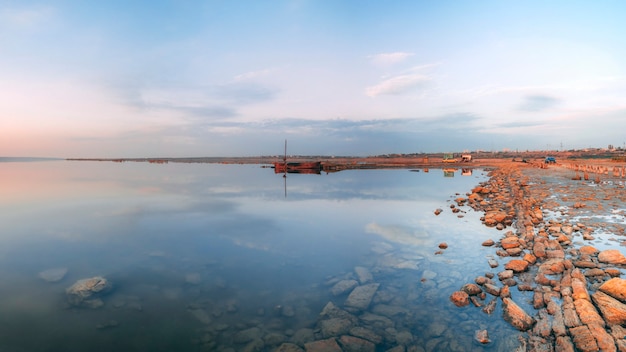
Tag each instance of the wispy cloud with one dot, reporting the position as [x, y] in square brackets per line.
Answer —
[398, 85]
[252, 75]
[535, 103]
[385, 59]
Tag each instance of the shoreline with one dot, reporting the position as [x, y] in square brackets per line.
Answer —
[550, 219]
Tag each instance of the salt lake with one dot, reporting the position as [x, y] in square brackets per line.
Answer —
[217, 257]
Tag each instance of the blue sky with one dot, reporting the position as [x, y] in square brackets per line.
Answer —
[237, 78]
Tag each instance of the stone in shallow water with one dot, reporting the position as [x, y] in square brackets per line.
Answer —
[53, 275]
[83, 292]
[361, 296]
[363, 274]
[343, 286]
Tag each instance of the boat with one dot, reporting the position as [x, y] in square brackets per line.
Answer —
[307, 167]
[310, 167]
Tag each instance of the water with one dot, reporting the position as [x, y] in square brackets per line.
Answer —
[198, 253]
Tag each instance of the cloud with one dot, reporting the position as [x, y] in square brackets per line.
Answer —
[219, 101]
[252, 75]
[398, 85]
[535, 103]
[386, 59]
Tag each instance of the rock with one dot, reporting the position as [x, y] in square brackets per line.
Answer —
[289, 347]
[583, 339]
[363, 274]
[366, 334]
[459, 298]
[506, 274]
[471, 289]
[274, 339]
[615, 288]
[355, 344]
[482, 337]
[247, 335]
[302, 336]
[517, 265]
[438, 211]
[328, 345]
[53, 275]
[509, 242]
[613, 311]
[588, 250]
[516, 316]
[612, 256]
[335, 327]
[588, 313]
[343, 286]
[84, 292]
[361, 296]
[492, 289]
[488, 243]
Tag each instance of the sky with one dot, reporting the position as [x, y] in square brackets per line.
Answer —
[164, 78]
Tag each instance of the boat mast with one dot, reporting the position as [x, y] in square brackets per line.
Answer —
[285, 157]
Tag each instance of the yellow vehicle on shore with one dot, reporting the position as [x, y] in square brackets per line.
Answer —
[449, 158]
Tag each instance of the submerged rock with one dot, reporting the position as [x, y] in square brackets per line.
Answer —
[86, 292]
[53, 275]
[361, 296]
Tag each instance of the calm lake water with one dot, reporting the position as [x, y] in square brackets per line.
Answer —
[200, 256]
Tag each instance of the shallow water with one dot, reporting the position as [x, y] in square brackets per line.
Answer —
[198, 253]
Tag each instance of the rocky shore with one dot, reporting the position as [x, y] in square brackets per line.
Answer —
[560, 235]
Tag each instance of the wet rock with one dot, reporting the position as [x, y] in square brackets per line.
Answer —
[366, 334]
[53, 275]
[588, 250]
[247, 335]
[302, 336]
[438, 211]
[355, 344]
[510, 242]
[86, 292]
[327, 345]
[335, 327]
[488, 243]
[517, 265]
[363, 274]
[587, 312]
[482, 337]
[404, 338]
[583, 339]
[493, 263]
[491, 306]
[460, 298]
[612, 256]
[516, 316]
[443, 245]
[376, 321]
[343, 286]
[289, 347]
[389, 310]
[613, 311]
[506, 274]
[563, 344]
[616, 288]
[603, 338]
[492, 289]
[471, 289]
[361, 296]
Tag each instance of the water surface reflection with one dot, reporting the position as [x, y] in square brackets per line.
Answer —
[200, 254]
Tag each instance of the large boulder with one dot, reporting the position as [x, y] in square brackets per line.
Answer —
[612, 256]
[613, 311]
[615, 288]
[87, 292]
